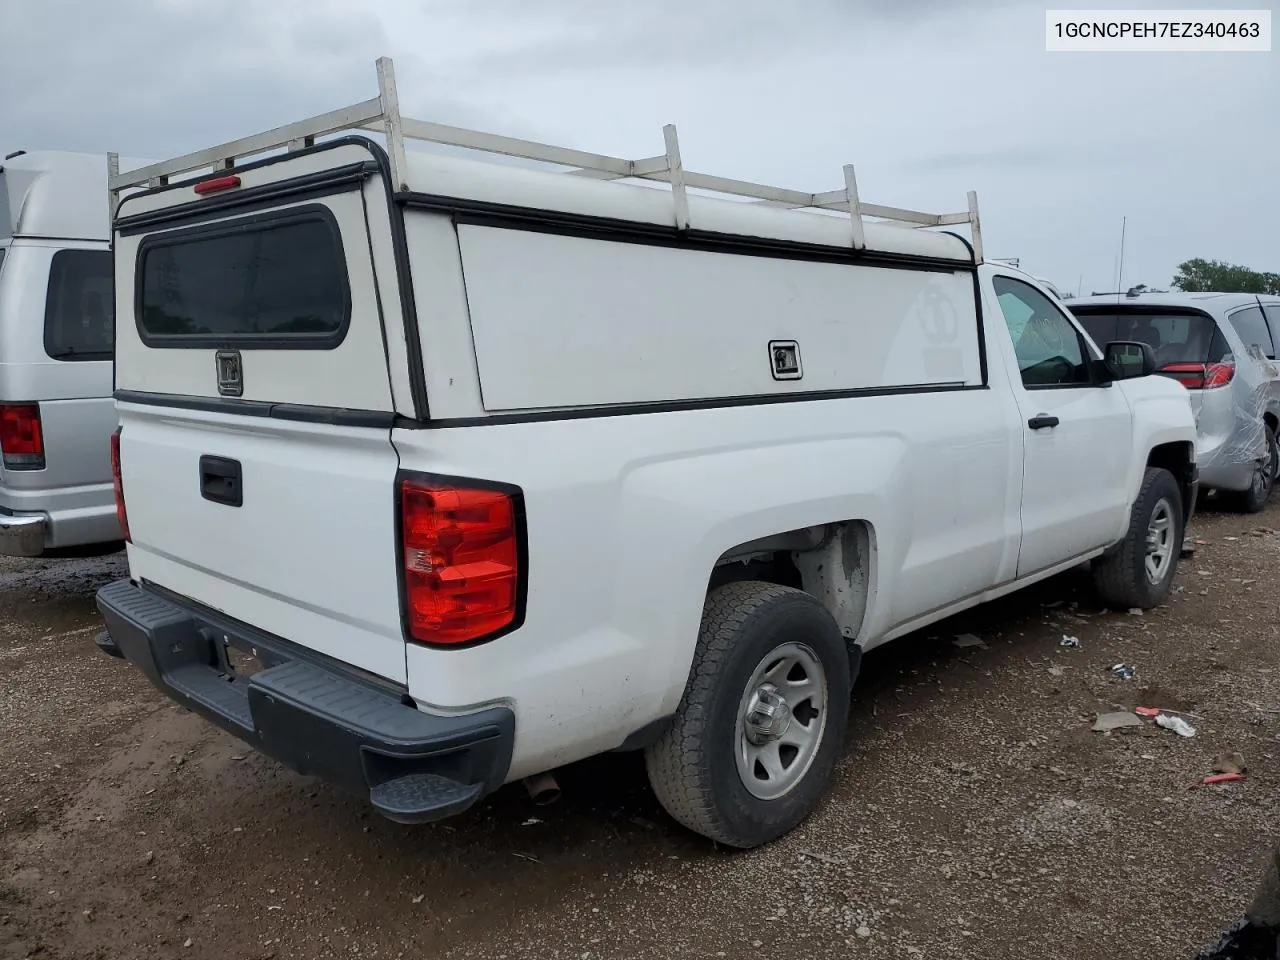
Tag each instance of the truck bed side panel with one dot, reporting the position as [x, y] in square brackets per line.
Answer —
[628, 515]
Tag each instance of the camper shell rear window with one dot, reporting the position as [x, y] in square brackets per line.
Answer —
[275, 280]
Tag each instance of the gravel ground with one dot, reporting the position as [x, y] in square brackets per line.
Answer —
[975, 814]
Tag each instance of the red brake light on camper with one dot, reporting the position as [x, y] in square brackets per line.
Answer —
[21, 436]
[117, 481]
[216, 184]
[461, 559]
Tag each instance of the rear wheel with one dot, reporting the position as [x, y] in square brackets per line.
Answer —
[1263, 480]
[1139, 572]
[762, 719]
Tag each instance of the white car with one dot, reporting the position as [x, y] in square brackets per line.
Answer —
[439, 473]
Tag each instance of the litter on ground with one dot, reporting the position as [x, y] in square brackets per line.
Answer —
[1106, 722]
[1229, 762]
[1176, 724]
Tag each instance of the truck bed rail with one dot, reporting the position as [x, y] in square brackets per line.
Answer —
[382, 114]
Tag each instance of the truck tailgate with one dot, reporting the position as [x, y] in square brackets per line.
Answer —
[308, 554]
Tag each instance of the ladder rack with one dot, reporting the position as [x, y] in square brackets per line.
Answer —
[382, 115]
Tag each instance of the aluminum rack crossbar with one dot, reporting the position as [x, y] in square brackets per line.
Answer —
[382, 114]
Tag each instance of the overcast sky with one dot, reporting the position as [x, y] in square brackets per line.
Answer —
[929, 98]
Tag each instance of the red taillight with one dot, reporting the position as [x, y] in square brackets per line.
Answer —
[117, 481]
[461, 555]
[21, 438]
[1200, 376]
[1218, 374]
[216, 184]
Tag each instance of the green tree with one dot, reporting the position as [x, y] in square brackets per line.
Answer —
[1197, 276]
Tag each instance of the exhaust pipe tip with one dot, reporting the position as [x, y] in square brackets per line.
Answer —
[543, 789]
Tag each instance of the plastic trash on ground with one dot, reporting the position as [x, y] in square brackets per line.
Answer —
[1176, 724]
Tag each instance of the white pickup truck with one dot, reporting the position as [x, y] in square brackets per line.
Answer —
[439, 474]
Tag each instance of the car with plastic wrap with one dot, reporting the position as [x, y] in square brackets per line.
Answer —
[1222, 348]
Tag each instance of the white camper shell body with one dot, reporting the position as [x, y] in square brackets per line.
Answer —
[491, 469]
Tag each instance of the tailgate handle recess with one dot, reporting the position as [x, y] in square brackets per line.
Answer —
[220, 480]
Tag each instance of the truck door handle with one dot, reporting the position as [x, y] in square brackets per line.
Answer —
[220, 480]
[1042, 421]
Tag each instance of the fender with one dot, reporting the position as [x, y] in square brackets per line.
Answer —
[719, 499]
[1161, 415]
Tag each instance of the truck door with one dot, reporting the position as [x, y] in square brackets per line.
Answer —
[1079, 434]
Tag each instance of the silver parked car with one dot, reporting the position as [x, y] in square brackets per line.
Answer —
[56, 335]
[1222, 348]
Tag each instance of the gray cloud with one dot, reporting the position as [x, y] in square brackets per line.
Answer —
[706, 35]
[1023, 156]
[928, 98]
[160, 77]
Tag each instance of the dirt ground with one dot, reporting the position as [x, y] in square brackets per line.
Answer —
[974, 815]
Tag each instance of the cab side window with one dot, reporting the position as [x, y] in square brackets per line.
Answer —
[1050, 350]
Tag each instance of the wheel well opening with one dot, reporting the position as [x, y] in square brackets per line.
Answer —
[831, 561]
[749, 562]
[1271, 421]
[1179, 460]
[776, 568]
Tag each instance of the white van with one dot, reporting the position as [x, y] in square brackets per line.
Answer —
[441, 473]
[56, 301]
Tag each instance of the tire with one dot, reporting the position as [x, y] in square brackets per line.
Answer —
[1123, 577]
[1255, 498]
[697, 767]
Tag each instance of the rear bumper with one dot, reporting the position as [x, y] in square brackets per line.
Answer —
[1230, 443]
[21, 535]
[414, 767]
[51, 519]
[1228, 476]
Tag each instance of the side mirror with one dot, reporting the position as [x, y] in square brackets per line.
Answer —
[1127, 359]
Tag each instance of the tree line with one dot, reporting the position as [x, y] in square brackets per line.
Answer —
[1200, 276]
